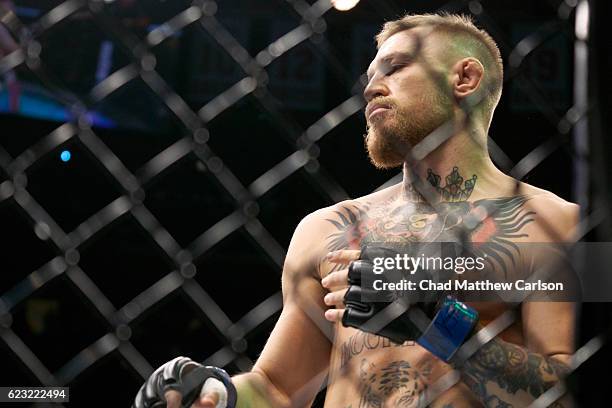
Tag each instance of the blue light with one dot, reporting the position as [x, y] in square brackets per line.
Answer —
[65, 155]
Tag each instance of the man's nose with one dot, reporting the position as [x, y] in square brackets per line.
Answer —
[375, 88]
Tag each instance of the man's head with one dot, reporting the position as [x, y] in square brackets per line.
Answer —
[428, 69]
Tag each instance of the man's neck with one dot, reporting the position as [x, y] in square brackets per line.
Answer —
[457, 170]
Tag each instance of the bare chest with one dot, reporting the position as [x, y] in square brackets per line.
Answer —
[498, 221]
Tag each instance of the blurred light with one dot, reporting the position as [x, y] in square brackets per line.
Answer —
[582, 20]
[344, 5]
[65, 156]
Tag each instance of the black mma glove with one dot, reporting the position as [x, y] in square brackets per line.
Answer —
[185, 376]
[433, 318]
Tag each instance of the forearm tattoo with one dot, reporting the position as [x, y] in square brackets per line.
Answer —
[513, 369]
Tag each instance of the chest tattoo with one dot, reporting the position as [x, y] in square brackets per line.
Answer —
[488, 225]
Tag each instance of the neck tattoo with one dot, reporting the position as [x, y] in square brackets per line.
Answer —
[454, 190]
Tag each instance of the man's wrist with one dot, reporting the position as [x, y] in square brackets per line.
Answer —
[451, 326]
[254, 389]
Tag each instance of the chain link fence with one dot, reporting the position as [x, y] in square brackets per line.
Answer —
[201, 135]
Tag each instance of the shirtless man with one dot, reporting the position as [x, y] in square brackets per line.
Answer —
[436, 76]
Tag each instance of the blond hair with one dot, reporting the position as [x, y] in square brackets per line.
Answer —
[466, 40]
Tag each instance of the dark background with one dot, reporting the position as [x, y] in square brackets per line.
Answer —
[57, 321]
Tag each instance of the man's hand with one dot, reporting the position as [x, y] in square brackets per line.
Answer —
[337, 282]
[208, 399]
[434, 319]
[183, 382]
[358, 305]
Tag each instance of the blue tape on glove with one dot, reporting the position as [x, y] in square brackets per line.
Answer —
[449, 329]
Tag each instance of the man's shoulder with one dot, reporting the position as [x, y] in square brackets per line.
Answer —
[311, 240]
[328, 228]
[321, 223]
[325, 214]
[554, 214]
[548, 201]
[310, 237]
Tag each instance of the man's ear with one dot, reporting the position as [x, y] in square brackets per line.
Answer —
[468, 74]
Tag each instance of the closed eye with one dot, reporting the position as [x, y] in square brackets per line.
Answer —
[390, 69]
[386, 67]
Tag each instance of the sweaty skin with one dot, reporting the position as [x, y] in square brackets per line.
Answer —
[414, 97]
